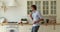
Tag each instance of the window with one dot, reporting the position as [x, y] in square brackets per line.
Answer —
[38, 4]
[53, 7]
[45, 7]
[29, 3]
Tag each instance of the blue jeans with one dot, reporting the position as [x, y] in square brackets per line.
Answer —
[35, 28]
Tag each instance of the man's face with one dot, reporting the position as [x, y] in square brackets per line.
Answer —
[32, 9]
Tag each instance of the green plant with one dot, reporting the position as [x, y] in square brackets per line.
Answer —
[42, 22]
[24, 19]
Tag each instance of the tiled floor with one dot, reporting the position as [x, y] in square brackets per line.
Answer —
[49, 28]
[43, 28]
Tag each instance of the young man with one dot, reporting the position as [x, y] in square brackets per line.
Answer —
[36, 17]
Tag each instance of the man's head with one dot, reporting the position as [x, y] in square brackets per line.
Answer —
[33, 7]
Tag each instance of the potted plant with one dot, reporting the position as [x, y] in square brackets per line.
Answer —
[24, 20]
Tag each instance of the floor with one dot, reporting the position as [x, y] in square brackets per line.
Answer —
[43, 28]
[49, 28]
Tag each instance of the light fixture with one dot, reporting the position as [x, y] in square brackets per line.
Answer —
[8, 3]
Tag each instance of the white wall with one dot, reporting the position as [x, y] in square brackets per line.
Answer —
[15, 13]
[58, 11]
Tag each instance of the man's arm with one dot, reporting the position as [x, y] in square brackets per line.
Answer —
[31, 16]
[38, 21]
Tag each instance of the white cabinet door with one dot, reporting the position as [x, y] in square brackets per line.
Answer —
[25, 28]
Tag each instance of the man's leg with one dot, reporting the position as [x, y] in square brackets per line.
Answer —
[32, 29]
[35, 29]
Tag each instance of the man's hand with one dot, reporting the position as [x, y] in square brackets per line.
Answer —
[30, 15]
[41, 20]
[34, 22]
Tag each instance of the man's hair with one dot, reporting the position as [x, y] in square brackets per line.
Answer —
[34, 6]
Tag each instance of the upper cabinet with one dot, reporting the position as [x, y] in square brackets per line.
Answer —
[10, 2]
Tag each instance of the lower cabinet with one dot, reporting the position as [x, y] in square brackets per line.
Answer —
[25, 28]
